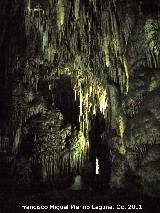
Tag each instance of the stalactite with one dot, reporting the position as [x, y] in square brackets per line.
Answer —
[122, 149]
[17, 140]
[56, 158]
[76, 9]
[92, 95]
[60, 14]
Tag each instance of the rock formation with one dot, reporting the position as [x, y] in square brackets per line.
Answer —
[80, 80]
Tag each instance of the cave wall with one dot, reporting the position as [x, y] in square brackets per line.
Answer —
[63, 64]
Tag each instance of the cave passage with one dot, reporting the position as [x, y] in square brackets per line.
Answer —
[99, 153]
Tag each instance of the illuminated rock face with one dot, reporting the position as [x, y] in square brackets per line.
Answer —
[80, 80]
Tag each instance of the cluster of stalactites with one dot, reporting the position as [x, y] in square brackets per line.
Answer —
[52, 167]
[92, 96]
[152, 33]
[112, 43]
[38, 18]
[56, 164]
[115, 43]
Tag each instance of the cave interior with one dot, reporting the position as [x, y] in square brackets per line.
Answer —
[79, 95]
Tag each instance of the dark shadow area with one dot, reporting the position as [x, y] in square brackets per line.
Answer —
[5, 174]
[133, 202]
[99, 150]
[65, 100]
[12, 43]
[39, 4]
[150, 7]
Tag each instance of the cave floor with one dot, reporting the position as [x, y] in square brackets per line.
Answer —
[11, 201]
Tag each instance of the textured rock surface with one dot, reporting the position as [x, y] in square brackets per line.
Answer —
[79, 80]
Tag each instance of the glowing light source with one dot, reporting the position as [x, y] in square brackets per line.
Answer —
[97, 166]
